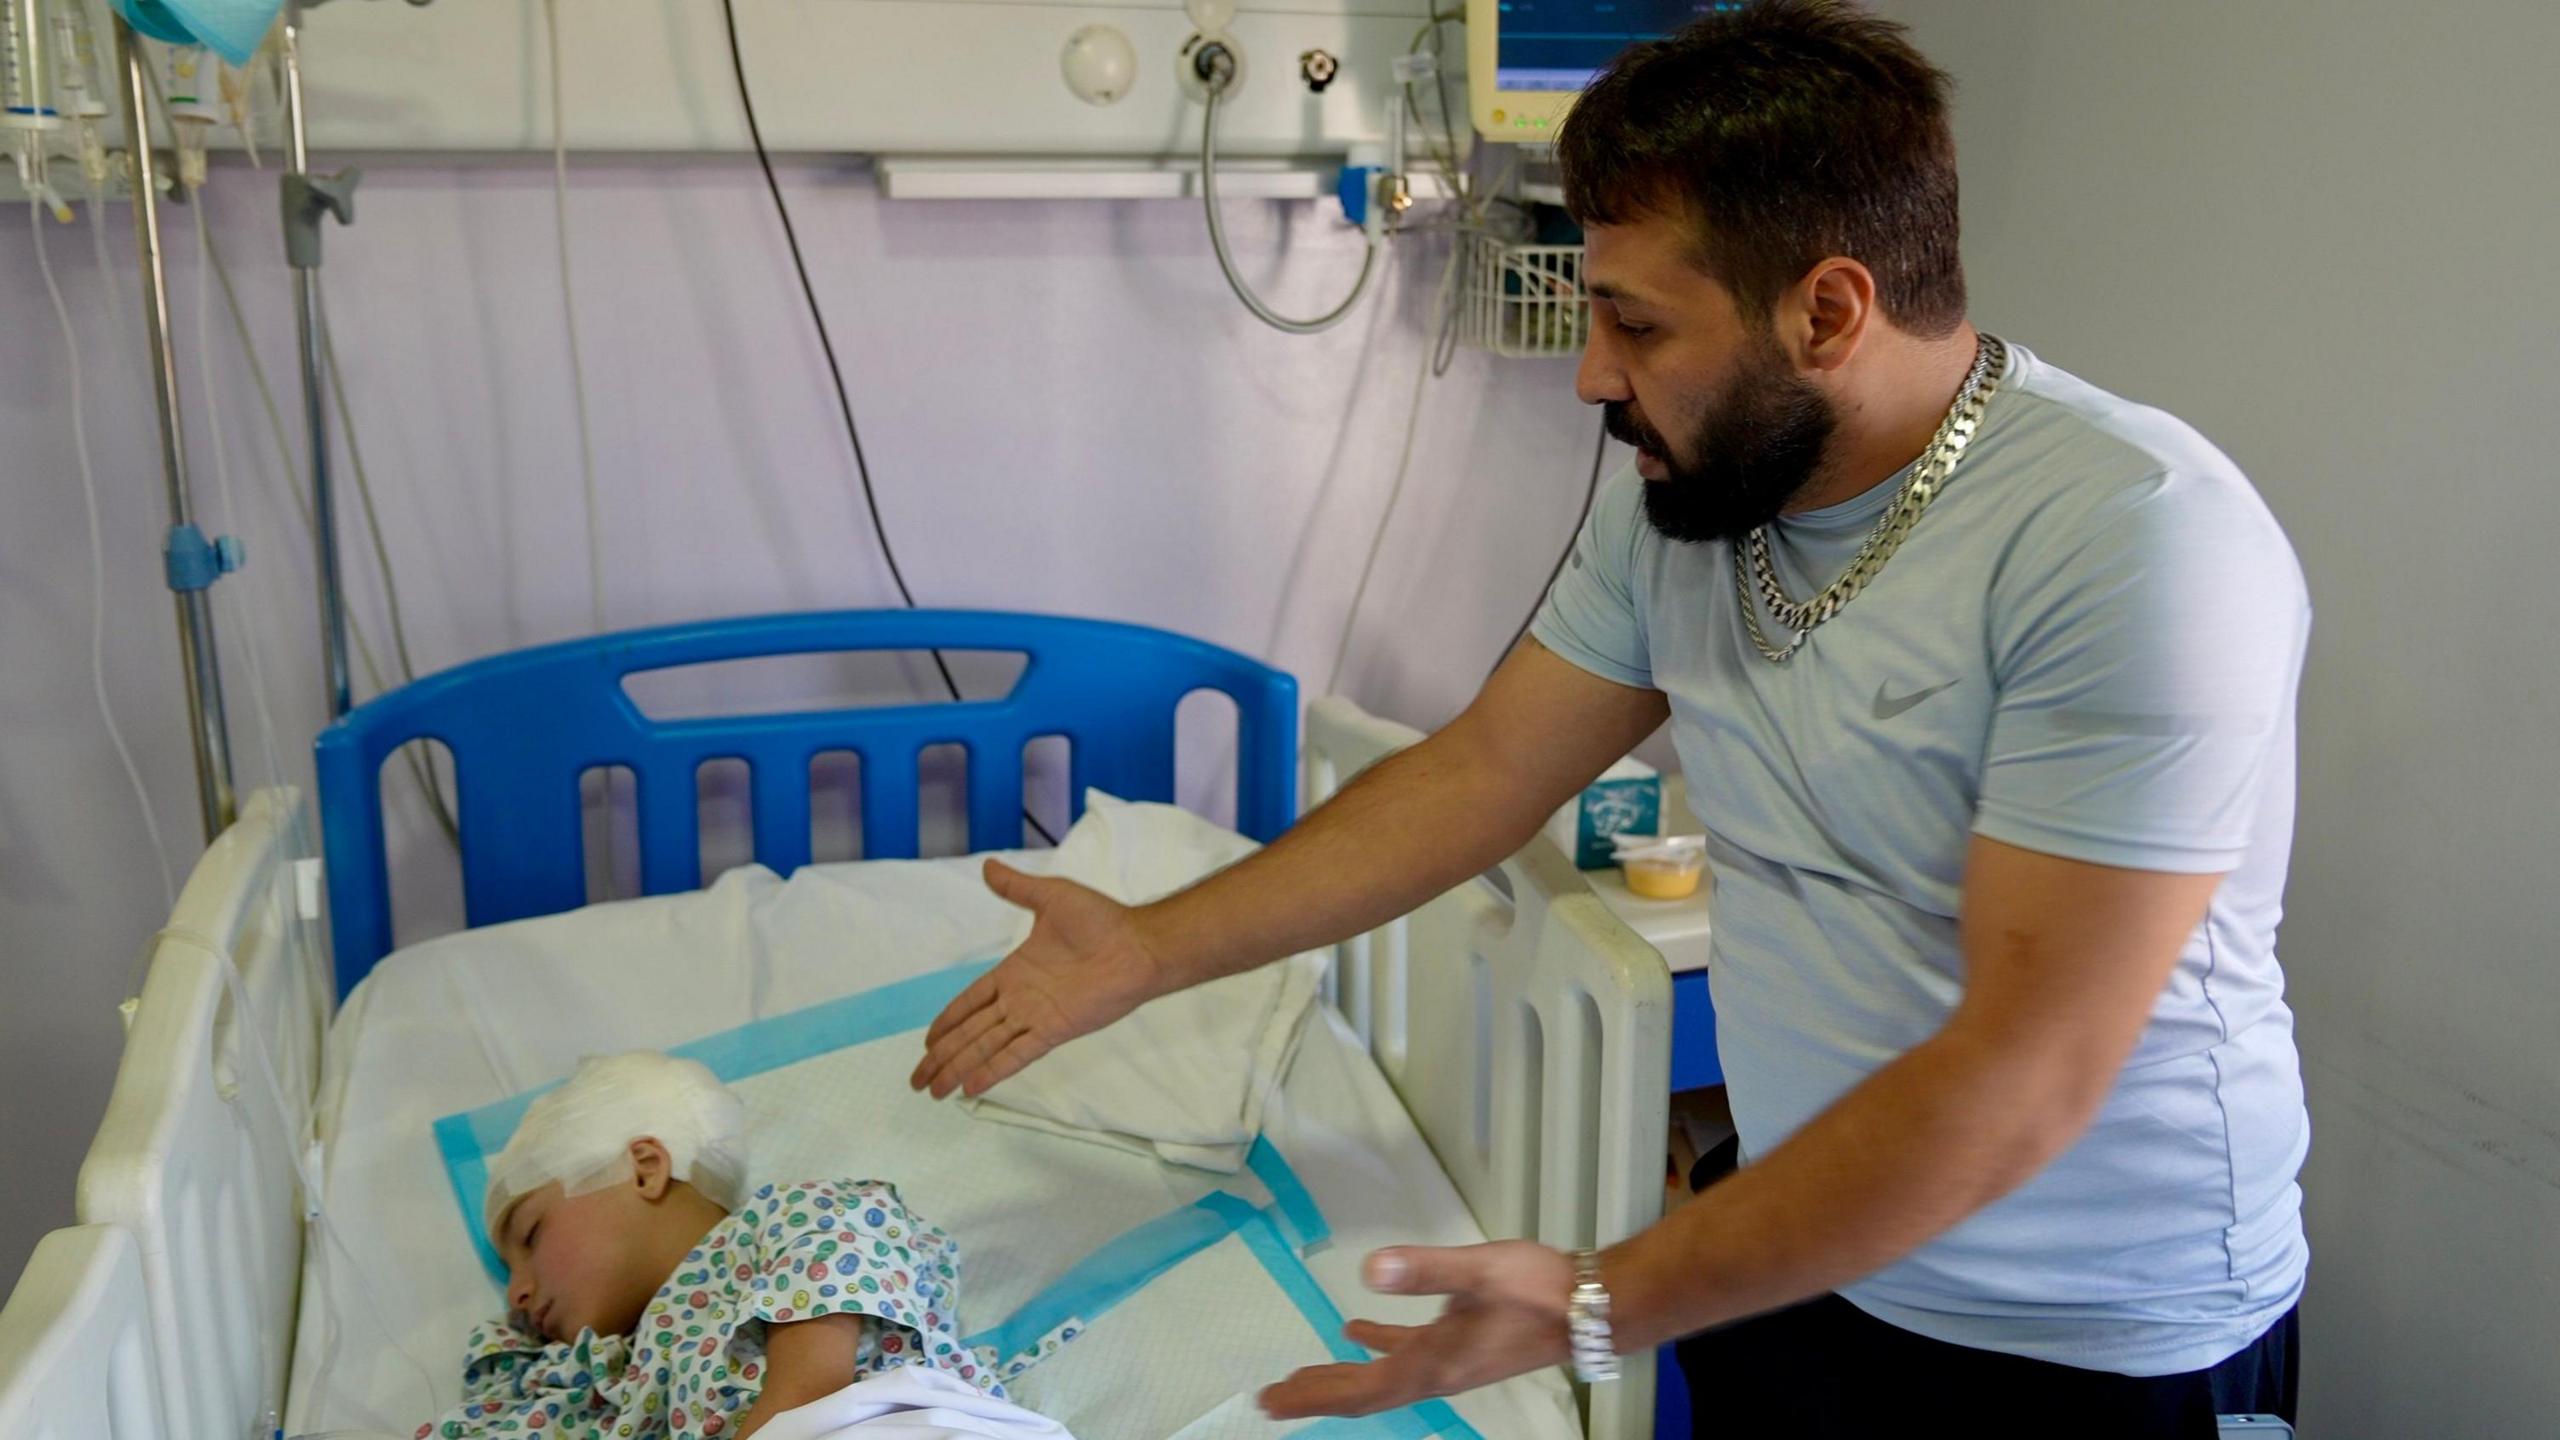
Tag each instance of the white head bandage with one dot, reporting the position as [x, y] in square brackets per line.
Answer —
[580, 1134]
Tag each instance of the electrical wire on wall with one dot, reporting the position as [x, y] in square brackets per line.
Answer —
[1590, 494]
[569, 319]
[835, 370]
[1395, 490]
[98, 564]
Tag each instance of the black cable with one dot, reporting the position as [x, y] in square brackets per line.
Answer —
[1590, 493]
[835, 371]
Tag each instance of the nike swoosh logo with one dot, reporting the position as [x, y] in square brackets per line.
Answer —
[1889, 706]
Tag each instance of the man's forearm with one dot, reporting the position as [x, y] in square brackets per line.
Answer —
[1410, 827]
[1942, 1131]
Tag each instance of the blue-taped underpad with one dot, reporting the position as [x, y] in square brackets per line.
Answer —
[1119, 1293]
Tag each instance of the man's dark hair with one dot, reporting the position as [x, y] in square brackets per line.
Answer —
[1782, 132]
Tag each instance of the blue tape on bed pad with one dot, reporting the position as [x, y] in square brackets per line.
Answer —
[1108, 1276]
[1262, 1232]
[1298, 1210]
[1270, 1235]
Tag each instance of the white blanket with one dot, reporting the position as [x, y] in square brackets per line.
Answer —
[912, 1404]
[1187, 1075]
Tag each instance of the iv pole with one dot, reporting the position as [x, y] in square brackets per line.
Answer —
[306, 198]
[194, 562]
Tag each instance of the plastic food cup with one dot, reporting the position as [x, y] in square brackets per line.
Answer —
[1662, 867]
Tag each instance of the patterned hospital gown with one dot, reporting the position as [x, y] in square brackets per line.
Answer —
[696, 1363]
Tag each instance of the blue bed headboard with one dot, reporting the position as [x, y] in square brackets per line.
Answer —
[523, 727]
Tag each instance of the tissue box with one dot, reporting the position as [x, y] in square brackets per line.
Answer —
[1626, 799]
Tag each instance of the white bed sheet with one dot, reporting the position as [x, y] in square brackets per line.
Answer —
[468, 1019]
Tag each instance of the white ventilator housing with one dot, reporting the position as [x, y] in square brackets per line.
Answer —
[581, 1133]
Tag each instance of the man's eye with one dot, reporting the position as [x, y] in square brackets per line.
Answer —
[1626, 328]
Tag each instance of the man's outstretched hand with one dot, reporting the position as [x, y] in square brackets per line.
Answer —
[1505, 1317]
[1084, 965]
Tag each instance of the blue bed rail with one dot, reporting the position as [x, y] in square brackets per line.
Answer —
[523, 727]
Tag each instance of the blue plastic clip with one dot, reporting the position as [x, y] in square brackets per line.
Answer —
[1356, 187]
[195, 562]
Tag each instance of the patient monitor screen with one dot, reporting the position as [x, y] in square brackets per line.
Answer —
[1562, 44]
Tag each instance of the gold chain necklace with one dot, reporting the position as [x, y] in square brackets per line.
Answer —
[1751, 557]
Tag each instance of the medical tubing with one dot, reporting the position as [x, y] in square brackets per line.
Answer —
[1395, 491]
[418, 767]
[284, 445]
[222, 487]
[364, 489]
[569, 317]
[302, 507]
[381, 547]
[1447, 154]
[98, 564]
[1226, 262]
[106, 266]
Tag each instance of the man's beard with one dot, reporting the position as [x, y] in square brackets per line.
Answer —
[1758, 446]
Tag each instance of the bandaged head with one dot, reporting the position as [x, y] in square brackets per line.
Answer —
[580, 1134]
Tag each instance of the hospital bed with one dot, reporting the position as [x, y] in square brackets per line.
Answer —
[1519, 1029]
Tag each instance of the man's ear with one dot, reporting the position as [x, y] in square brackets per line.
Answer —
[651, 1170]
[1825, 317]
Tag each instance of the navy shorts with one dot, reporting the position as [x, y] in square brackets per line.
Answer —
[1827, 1368]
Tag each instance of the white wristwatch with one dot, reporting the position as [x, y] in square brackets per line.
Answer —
[1586, 1321]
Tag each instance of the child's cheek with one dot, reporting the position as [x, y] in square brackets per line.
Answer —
[565, 1270]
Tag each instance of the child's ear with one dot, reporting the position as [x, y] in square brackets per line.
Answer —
[650, 1168]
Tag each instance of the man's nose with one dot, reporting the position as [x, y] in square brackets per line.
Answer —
[1599, 381]
[520, 1291]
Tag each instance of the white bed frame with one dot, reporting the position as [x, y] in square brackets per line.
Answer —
[1528, 1033]
[1555, 1017]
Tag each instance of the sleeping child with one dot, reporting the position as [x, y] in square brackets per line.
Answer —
[648, 1296]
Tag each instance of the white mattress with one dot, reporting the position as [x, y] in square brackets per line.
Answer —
[469, 1019]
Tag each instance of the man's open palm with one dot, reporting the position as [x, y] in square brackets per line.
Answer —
[1083, 966]
[1504, 1317]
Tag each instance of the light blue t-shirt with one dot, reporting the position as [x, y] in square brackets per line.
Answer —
[2087, 647]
